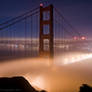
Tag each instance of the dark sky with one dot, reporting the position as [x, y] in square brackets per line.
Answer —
[78, 12]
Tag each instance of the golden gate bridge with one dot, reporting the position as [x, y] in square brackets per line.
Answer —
[38, 32]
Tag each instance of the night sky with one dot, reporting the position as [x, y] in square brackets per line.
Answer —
[77, 12]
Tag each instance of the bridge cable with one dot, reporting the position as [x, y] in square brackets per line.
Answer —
[17, 21]
[67, 22]
[13, 19]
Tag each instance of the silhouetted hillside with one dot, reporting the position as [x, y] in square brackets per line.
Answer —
[85, 88]
[16, 84]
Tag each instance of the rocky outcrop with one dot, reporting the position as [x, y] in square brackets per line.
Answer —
[85, 88]
[16, 84]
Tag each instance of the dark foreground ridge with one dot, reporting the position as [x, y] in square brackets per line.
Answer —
[85, 88]
[16, 84]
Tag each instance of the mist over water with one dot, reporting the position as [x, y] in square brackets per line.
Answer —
[63, 74]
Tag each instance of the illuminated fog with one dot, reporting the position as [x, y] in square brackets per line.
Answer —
[53, 76]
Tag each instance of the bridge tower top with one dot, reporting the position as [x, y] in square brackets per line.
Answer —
[46, 31]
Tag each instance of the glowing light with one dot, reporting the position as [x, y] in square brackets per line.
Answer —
[75, 38]
[16, 46]
[83, 38]
[41, 4]
[73, 58]
[78, 59]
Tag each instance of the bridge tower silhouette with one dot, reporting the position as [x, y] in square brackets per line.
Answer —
[46, 20]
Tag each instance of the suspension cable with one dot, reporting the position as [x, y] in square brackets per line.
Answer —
[18, 21]
[13, 19]
[76, 31]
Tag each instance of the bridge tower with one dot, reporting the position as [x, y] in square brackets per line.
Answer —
[46, 31]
